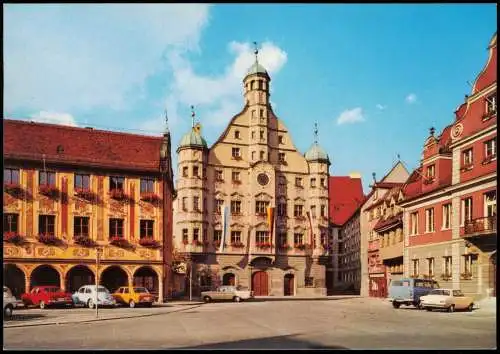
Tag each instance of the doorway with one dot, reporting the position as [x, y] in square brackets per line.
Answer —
[288, 285]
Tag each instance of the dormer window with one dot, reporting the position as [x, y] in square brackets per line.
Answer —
[431, 172]
[491, 104]
[237, 134]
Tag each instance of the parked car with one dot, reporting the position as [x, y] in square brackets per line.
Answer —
[227, 292]
[86, 296]
[448, 299]
[408, 291]
[48, 295]
[9, 302]
[132, 296]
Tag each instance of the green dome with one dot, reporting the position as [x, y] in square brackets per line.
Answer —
[256, 68]
[316, 153]
[193, 138]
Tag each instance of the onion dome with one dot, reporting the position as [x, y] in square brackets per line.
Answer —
[316, 153]
[193, 138]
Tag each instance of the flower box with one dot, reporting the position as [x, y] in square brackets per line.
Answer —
[84, 240]
[263, 245]
[285, 247]
[236, 181]
[13, 189]
[237, 157]
[488, 159]
[185, 242]
[446, 277]
[148, 242]
[150, 197]
[119, 241]
[13, 237]
[216, 244]
[85, 194]
[49, 191]
[48, 239]
[118, 194]
[300, 246]
[428, 180]
[238, 244]
[465, 276]
[196, 243]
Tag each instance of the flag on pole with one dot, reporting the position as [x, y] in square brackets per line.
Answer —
[270, 222]
[225, 212]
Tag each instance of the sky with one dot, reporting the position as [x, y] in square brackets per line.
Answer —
[375, 77]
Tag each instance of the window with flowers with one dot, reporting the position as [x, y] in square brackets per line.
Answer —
[11, 176]
[116, 183]
[81, 226]
[47, 178]
[146, 228]
[147, 185]
[82, 182]
[116, 228]
[46, 224]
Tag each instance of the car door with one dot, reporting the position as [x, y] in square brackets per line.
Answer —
[459, 299]
[33, 296]
[126, 295]
[80, 295]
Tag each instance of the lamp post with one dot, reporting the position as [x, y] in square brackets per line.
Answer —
[98, 251]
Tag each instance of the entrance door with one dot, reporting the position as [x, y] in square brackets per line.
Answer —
[260, 283]
[288, 285]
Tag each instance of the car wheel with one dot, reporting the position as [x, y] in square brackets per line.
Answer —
[470, 307]
[90, 304]
[395, 304]
[131, 304]
[7, 311]
[207, 299]
[42, 305]
[451, 308]
[236, 299]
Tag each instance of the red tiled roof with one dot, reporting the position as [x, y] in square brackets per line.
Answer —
[97, 148]
[386, 184]
[346, 195]
[393, 220]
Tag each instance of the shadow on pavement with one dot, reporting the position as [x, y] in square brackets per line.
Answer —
[277, 342]
[24, 317]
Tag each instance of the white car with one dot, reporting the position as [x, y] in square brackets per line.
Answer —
[227, 292]
[86, 296]
[9, 302]
[448, 299]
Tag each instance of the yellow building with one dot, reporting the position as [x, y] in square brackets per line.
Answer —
[69, 191]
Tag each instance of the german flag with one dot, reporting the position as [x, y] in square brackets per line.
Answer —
[270, 221]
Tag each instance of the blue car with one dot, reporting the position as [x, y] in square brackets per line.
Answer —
[408, 291]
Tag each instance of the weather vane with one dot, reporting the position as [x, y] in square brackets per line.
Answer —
[315, 132]
[166, 117]
[255, 51]
[192, 115]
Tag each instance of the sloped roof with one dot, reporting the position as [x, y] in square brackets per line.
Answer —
[391, 221]
[87, 146]
[346, 195]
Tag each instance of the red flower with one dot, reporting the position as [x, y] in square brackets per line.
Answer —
[185, 241]
[237, 244]
[196, 242]
[118, 241]
[12, 237]
[148, 242]
[300, 246]
[85, 194]
[48, 239]
[117, 194]
[48, 190]
[84, 240]
[263, 245]
[150, 197]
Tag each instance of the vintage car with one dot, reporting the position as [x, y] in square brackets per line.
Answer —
[86, 296]
[448, 299]
[133, 295]
[9, 302]
[227, 292]
[409, 291]
[47, 295]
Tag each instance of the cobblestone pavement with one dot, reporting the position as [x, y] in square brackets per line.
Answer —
[352, 323]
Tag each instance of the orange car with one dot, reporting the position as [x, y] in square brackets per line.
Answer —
[132, 296]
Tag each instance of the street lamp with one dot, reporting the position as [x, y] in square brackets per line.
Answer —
[98, 252]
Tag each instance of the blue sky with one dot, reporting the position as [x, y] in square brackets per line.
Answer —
[387, 72]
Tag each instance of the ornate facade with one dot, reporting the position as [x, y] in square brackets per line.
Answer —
[252, 167]
[70, 190]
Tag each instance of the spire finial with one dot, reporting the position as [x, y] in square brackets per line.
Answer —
[432, 130]
[256, 52]
[166, 118]
[399, 157]
[193, 114]
[315, 132]
[374, 177]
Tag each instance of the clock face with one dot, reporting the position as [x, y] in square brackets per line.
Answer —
[263, 179]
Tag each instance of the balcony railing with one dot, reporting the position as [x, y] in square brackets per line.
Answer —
[481, 226]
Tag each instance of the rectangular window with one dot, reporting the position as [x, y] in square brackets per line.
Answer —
[115, 227]
[490, 148]
[147, 185]
[313, 211]
[217, 235]
[281, 209]
[82, 182]
[46, 224]
[196, 170]
[235, 236]
[196, 234]
[491, 104]
[11, 176]
[297, 210]
[116, 183]
[431, 171]
[323, 211]
[298, 181]
[322, 183]
[218, 205]
[196, 203]
[429, 220]
[467, 157]
[147, 228]
[10, 222]
[415, 268]
[447, 216]
[235, 207]
[281, 140]
[184, 203]
[235, 176]
[466, 210]
[185, 172]
[219, 175]
[81, 226]
[261, 135]
[185, 236]
[430, 267]
[262, 155]
[281, 157]
[260, 207]
[253, 134]
[313, 182]
[235, 152]
[47, 178]
[447, 261]
[262, 237]
[490, 203]
[298, 239]
[468, 260]
[237, 134]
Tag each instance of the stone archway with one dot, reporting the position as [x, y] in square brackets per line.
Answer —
[78, 276]
[15, 279]
[113, 277]
[146, 277]
[260, 283]
[229, 279]
[45, 275]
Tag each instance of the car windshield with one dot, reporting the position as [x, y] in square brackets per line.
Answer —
[141, 290]
[439, 292]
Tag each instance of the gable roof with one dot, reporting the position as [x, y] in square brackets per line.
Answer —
[346, 195]
[32, 141]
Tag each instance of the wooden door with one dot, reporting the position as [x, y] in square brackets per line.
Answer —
[260, 283]
[288, 285]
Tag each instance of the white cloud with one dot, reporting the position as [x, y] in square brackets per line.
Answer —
[411, 98]
[381, 107]
[351, 116]
[54, 117]
[80, 56]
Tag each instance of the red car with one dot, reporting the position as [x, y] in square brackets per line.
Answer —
[48, 295]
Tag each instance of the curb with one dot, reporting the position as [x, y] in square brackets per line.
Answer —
[99, 319]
